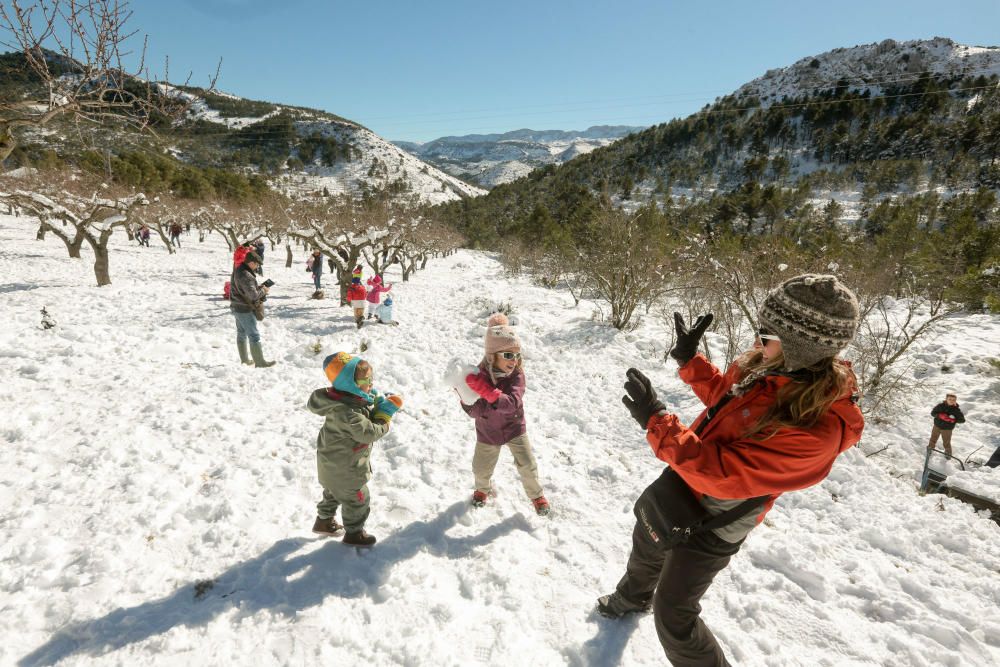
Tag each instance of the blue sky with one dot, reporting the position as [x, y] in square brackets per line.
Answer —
[422, 69]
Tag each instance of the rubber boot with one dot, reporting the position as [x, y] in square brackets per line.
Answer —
[241, 345]
[258, 356]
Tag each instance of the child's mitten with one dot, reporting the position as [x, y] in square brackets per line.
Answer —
[482, 386]
[386, 406]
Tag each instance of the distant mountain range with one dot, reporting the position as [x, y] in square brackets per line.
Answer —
[876, 119]
[491, 159]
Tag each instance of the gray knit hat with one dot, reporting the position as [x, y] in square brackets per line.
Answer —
[815, 316]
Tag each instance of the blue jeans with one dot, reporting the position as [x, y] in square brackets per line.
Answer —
[246, 327]
[317, 277]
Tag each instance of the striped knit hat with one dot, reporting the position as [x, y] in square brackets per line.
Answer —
[815, 316]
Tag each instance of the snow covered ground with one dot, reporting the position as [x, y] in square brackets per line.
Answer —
[157, 496]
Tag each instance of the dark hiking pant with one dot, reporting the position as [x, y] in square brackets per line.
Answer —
[945, 439]
[676, 580]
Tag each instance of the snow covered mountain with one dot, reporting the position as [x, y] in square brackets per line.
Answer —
[371, 162]
[492, 159]
[874, 67]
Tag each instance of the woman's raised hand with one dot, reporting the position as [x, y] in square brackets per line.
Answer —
[687, 340]
[641, 400]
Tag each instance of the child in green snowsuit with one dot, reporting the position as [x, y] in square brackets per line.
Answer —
[356, 416]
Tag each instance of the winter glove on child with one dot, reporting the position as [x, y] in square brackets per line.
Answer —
[386, 406]
[686, 343]
[641, 400]
[482, 386]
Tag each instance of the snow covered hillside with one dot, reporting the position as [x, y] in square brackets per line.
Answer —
[157, 497]
[493, 159]
[874, 67]
[379, 164]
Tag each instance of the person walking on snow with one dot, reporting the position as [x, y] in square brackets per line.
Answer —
[315, 265]
[774, 422]
[499, 414]
[247, 305]
[175, 234]
[375, 290]
[946, 414]
[356, 417]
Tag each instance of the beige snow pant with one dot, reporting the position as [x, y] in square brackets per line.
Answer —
[484, 461]
[945, 438]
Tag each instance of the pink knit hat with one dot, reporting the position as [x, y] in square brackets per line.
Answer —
[500, 336]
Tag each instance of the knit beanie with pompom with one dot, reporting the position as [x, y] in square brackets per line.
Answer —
[500, 335]
[814, 316]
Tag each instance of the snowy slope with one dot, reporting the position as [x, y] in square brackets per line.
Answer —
[874, 67]
[142, 459]
[493, 159]
[429, 184]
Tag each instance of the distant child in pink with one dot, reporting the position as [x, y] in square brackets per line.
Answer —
[375, 290]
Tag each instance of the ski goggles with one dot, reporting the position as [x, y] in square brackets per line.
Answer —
[511, 355]
[765, 335]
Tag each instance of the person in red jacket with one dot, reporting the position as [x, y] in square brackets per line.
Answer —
[774, 422]
[356, 297]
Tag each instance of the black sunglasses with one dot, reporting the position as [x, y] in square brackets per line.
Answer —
[511, 355]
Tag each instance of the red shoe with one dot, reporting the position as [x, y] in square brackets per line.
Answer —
[478, 499]
[541, 505]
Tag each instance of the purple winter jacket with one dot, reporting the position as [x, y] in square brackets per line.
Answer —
[500, 422]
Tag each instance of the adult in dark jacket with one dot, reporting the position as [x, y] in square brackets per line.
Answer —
[316, 266]
[246, 297]
[946, 414]
[774, 422]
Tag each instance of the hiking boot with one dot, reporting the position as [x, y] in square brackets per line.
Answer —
[478, 499]
[327, 526]
[359, 539]
[541, 505]
[616, 606]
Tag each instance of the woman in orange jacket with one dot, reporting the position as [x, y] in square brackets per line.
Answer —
[774, 422]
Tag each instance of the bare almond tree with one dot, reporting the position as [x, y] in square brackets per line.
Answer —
[74, 52]
[77, 209]
[624, 265]
[336, 229]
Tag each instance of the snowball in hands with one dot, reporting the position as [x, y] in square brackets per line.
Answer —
[455, 377]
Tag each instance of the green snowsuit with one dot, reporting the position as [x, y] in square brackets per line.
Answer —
[343, 448]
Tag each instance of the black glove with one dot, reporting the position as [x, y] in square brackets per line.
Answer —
[641, 400]
[686, 343]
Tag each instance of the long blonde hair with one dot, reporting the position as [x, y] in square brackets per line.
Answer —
[802, 402]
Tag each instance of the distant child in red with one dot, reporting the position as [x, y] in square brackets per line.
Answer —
[356, 297]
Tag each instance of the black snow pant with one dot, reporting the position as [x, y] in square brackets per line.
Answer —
[676, 580]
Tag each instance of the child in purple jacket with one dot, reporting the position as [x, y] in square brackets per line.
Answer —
[499, 414]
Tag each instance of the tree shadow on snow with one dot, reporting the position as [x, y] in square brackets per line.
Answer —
[277, 580]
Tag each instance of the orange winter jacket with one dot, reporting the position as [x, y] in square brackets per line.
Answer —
[721, 462]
